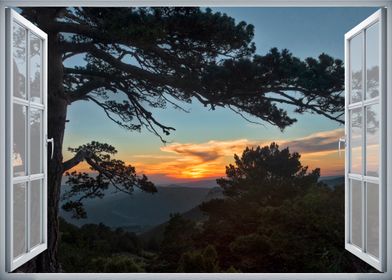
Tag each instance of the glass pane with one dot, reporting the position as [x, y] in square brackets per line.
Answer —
[372, 61]
[19, 44]
[35, 68]
[356, 213]
[35, 204]
[19, 140]
[372, 140]
[372, 216]
[19, 225]
[35, 141]
[356, 141]
[356, 61]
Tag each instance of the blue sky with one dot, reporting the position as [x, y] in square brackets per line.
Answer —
[304, 31]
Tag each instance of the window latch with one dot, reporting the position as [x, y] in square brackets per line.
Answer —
[341, 140]
[51, 141]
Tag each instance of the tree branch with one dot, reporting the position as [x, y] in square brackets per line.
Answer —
[82, 91]
[78, 158]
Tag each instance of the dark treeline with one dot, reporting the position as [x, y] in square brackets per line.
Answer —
[275, 217]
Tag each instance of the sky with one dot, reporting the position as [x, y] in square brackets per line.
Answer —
[204, 141]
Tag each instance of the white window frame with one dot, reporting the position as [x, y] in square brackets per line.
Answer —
[11, 262]
[379, 263]
[219, 3]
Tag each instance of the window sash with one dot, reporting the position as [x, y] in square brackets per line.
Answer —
[380, 262]
[31, 250]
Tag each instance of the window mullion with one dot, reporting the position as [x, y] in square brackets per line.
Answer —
[28, 169]
[364, 186]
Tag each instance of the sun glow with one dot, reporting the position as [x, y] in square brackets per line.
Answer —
[208, 160]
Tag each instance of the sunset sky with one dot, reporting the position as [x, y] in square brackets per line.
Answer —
[204, 141]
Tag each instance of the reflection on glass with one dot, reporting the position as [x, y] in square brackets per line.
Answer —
[356, 141]
[372, 140]
[35, 204]
[19, 226]
[356, 213]
[372, 220]
[372, 61]
[35, 68]
[35, 141]
[19, 140]
[19, 60]
[356, 60]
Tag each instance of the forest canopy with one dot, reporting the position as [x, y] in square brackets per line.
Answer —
[270, 220]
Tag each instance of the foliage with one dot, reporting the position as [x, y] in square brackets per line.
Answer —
[177, 240]
[98, 248]
[268, 171]
[154, 57]
[113, 172]
[200, 261]
[261, 84]
[120, 264]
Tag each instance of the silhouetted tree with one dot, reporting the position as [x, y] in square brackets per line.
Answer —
[142, 58]
[110, 171]
[267, 169]
[277, 217]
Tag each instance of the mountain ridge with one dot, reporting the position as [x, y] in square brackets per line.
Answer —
[141, 210]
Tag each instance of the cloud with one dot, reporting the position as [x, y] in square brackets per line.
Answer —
[320, 141]
[208, 159]
[208, 151]
[180, 161]
[154, 156]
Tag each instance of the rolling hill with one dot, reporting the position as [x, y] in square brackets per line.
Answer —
[147, 214]
[141, 211]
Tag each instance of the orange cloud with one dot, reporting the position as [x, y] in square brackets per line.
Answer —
[208, 160]
[187, 161]
[193, 160]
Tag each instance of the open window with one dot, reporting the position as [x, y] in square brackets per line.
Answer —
[26, 140]
[365, 154]
[365, 172]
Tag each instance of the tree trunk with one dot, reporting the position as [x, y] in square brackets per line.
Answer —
[57, 113]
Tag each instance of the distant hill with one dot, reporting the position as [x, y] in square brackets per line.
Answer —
[141, 211]
[148, 213]
[209, 184]
[332, 181]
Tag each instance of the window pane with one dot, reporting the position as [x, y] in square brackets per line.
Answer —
[19, 225]
[356, 61]
[35, 204]
[372, 140]
[35, 68]
[356, 141]
[35, 141]
[372, 216]
[19, 60]
[372, 61]
[19, 140]
[356, 213]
